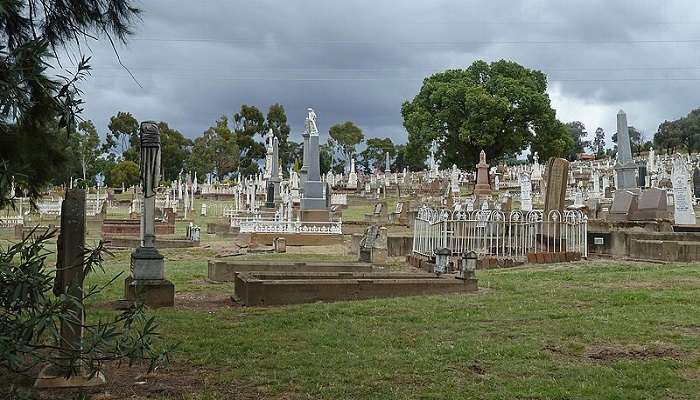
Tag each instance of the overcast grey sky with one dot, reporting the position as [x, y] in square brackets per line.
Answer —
[359, 60]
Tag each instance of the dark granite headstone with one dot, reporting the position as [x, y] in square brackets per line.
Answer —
[270, 196]
[608, 192]
[642, 176]
[696, 182]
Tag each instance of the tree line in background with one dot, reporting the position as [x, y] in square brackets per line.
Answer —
[231, 146]
[500, 107]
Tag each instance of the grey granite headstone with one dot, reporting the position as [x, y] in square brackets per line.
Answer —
[624, 205]
[642, 176]
[652, 205]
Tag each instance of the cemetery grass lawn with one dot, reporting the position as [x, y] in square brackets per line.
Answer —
[587, 330]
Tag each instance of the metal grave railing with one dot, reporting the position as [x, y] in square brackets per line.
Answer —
[494, 233]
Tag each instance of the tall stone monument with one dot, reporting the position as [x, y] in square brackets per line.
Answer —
[684, 214]
[625, 167]
[313, 198]
[147, 283]
[352, 177]
[482, 187]
[69, 279]
[273, 182]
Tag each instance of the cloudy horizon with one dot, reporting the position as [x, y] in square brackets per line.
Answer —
[360, 60]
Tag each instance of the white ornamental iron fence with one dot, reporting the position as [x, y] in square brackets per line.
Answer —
[295, 227]
[494, 233]
[239, 217]
[10, 221]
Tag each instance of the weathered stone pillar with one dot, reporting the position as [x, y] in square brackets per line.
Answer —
[69, 279]
[147, 284]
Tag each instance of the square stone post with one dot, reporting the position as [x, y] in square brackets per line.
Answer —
[69, 279]
[147, 284]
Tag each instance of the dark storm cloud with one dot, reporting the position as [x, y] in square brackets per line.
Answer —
[359, 60]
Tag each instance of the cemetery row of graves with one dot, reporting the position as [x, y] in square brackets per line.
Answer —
[284, 271]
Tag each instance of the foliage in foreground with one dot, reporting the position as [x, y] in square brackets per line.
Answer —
[30, 316]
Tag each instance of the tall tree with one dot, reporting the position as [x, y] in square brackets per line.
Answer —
[325, 158]
[124, 129]
[215, 151]
[344, 138]
[598, 145]
[277, 121]
[86, 144]
[681, 133]
[577, 133]
[175, 151]
[500, 107]
[125, 173]
[373, 156]
[32, 94]
[248, 123]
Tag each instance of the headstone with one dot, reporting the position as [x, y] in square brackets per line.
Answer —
[69, 279]
[147, 283]
[556, 180]
[642, 176]
[652, 205]
[683, 214]
[482, 187]
[624, 205]
[624, 167]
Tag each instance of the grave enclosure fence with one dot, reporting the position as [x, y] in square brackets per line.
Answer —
[492, 233]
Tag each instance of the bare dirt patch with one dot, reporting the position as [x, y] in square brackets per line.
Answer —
[173, 382]
[634, 352]
[203, 301]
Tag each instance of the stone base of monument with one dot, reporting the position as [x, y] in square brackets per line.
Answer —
[52, 377]
[295, 239]
[318, 215]
[226, 270]
[151, 292]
